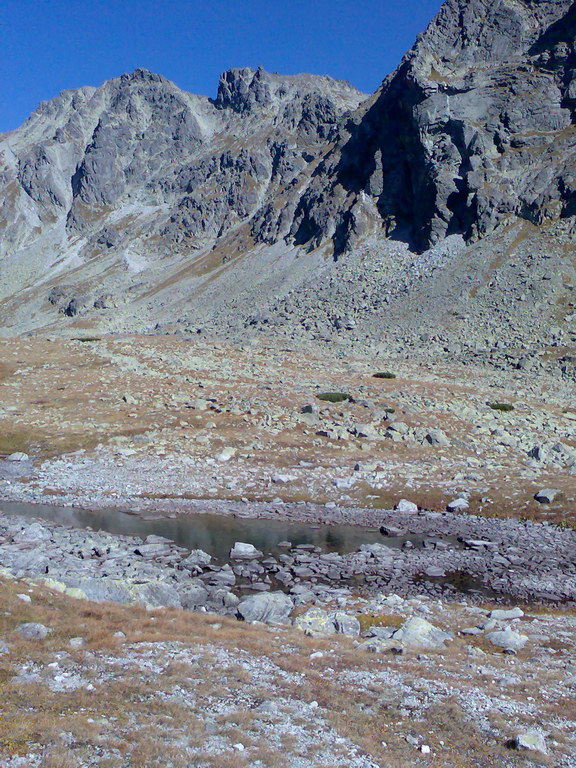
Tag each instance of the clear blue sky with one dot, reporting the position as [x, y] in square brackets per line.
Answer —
[49, 45]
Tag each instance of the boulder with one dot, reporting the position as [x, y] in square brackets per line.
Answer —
[193, 596]
[196, 558]
[508, 639]
[32, 533]
[346, 624]
[436, 437]
[406, 506]
[417, 632]
[502, 614]
[158, 594]
[546, 495]
[226, 454]
[316, 622]
[376, 550]
[33, 631]
[243, 551]
[531, 741]
[270, 608]
[18, 456]
[458, 505]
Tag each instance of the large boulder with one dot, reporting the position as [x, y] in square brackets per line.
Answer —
[32, 533]
[193, 596]
[18, 456]
[33, 631]
[532, 741]
[417, 632]
[508, 639]
[270, 608]
[316, 622]
[196, 559]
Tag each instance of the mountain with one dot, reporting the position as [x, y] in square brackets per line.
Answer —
[296, 202]
[475, 126]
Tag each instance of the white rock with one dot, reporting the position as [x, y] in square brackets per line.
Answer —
[458, 505]
[532, 741]
[508, 639]
[502, 614]
[279, 478]
[243, 551]
[406, 506]
[18, 456]
[226, 454]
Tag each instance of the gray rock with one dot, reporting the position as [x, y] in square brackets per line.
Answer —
[270, 608]
[508, 639]
[434, 571]
[417, 632]
[436, 437]
[504, 614]
[158, 595]
[346, 624]
[532, 741]
[316, 622]
[399, 427]
[197, 557]
[193, 596]
[546, 495]
[32, 533]
[33, 631]
[18, 456]
[458, 505]
[376, 550]
[406, 506]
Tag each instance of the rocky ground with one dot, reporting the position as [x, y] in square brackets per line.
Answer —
[159, 419]
[415, 682]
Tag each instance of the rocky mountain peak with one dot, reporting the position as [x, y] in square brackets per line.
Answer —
[476, 125]
[242, 89]
[141, 74]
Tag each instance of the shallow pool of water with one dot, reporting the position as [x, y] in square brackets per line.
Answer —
[215, 534]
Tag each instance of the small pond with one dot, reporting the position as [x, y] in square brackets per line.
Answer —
[215, 534]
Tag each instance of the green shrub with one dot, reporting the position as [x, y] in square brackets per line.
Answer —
[505, 407]
[333, 397]
[385, 375]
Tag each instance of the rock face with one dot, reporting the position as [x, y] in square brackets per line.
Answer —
[476, 125]
[138, 171]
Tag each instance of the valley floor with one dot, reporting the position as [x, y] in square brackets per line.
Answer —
[168, 426]
[123, 419]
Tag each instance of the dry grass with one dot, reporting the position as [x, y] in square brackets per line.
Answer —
[138, 713]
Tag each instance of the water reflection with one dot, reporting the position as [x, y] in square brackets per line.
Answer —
[215, 534]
